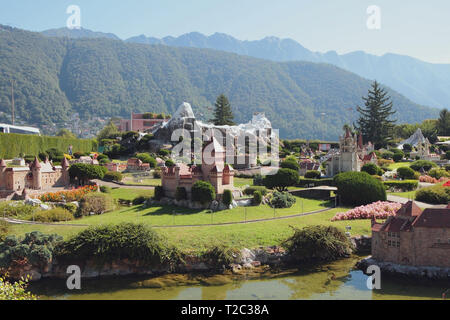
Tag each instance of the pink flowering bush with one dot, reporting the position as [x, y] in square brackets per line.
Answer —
[380, 210]
[429, 179]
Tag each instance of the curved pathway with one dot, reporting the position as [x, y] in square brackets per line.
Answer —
[15, 221]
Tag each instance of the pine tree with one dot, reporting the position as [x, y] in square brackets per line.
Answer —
[223, 114]
[375, 122]
[443, 123]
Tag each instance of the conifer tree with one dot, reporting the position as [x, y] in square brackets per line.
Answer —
[223, 114]
[375, 123]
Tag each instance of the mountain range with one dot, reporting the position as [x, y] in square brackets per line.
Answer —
[422, 82]
[98, 76]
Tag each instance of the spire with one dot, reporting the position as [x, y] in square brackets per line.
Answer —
[36, 163]
[65, 163]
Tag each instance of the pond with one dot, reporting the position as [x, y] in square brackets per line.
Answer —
[337, 280]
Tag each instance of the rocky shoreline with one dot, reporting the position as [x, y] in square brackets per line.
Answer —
[424, 272]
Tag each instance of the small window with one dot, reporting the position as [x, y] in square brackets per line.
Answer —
[389, 243]
[398, 244]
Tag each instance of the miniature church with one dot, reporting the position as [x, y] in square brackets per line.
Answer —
[213, 169]
[352, 155]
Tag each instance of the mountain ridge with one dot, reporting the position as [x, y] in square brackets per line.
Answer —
[103, 77]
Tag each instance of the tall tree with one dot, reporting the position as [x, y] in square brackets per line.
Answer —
[222, 114]
[443, 123]
[375, 122]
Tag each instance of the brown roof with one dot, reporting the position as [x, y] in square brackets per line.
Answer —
[65, 163]
[409, 209]
[36, 163]
[433, 218]
[396, 224]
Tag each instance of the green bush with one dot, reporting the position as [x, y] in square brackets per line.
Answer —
[435, 195]
[16, 209]
[251, 190]
[283, 179]
[438, 173]
[426, 165]
[258, 180]
[221, 255]
[359, 188]
[290, 164]
[372, 169]
[170, 163]
[11, 145]
[147, 158]
[35, 247]
[302, 183]
[316, 244]
[282, 200]
[257, 198]
[95, 203]
[71, 207]
[85, 172]
[397, 157]
[159, 193]
[53, 215]
[164, 153]
[181, 194]
[113, 176]
[388, 155]
[406, 173]
[227, 197]
[203, 192]
[313, 174]
[106, 244]
[406, 185]
[407, 147]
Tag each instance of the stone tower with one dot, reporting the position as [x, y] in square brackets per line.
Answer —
[37, 174]
[2, 174]
[65, 172]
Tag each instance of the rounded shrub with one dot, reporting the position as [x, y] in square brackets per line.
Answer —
[164, 153]
[438, 173]
[203, 192]
[359, 188]
[397, 157]
[251, 190]
[257, 198]
[282, 200]
[372, 169]
[406, 173]
[290, 164]
[147, 158]
[426, 165]
[227, 197]
[317, 243]
[283, 179]
[434, 195]
[113, 176]
[313, 174]
[95, 203]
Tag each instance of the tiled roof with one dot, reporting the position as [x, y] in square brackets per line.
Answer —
[433, 218]
[409, 209]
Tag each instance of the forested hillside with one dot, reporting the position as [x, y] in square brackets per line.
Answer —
[58, 76]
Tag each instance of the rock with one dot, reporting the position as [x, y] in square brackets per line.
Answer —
[44, 207]
[33, 202]
[236, 268]
[248, 266]
[247, 256]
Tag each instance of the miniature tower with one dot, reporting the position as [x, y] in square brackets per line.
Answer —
[37, 175]
[65, 172]
[2, 174]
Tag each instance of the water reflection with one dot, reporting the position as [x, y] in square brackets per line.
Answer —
[336, 280]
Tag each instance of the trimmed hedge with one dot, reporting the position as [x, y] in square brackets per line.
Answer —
[113, 176]
[257, 198]
[54, 215]
[11, 144]
[359, 188]
[406, 173]
[426, 165]
[315, 182]
[203, 192]
[227, 197]
[434, 195]
[406, 185]
[313, 174]
[251, 190]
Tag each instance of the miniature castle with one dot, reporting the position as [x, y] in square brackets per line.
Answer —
[352, 154]
[213, 169]
[38, 176]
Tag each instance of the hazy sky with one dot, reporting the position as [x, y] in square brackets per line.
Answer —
[416, 27]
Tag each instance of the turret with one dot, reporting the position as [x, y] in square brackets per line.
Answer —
[37, 175]
[65, 171]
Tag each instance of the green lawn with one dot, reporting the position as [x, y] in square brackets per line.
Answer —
[242, 235]
[242, 182]
[408, 195]
[129, 179]
[399, 165]
[130, 194]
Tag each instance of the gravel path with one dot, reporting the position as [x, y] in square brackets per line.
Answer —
[420, 204]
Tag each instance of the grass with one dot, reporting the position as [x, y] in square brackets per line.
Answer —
[130, 194]
[243, 235]
[408, 195]
[135, 179]
[397, 165]
[242, 182]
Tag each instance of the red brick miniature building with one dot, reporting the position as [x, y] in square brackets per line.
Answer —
[413, 237]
